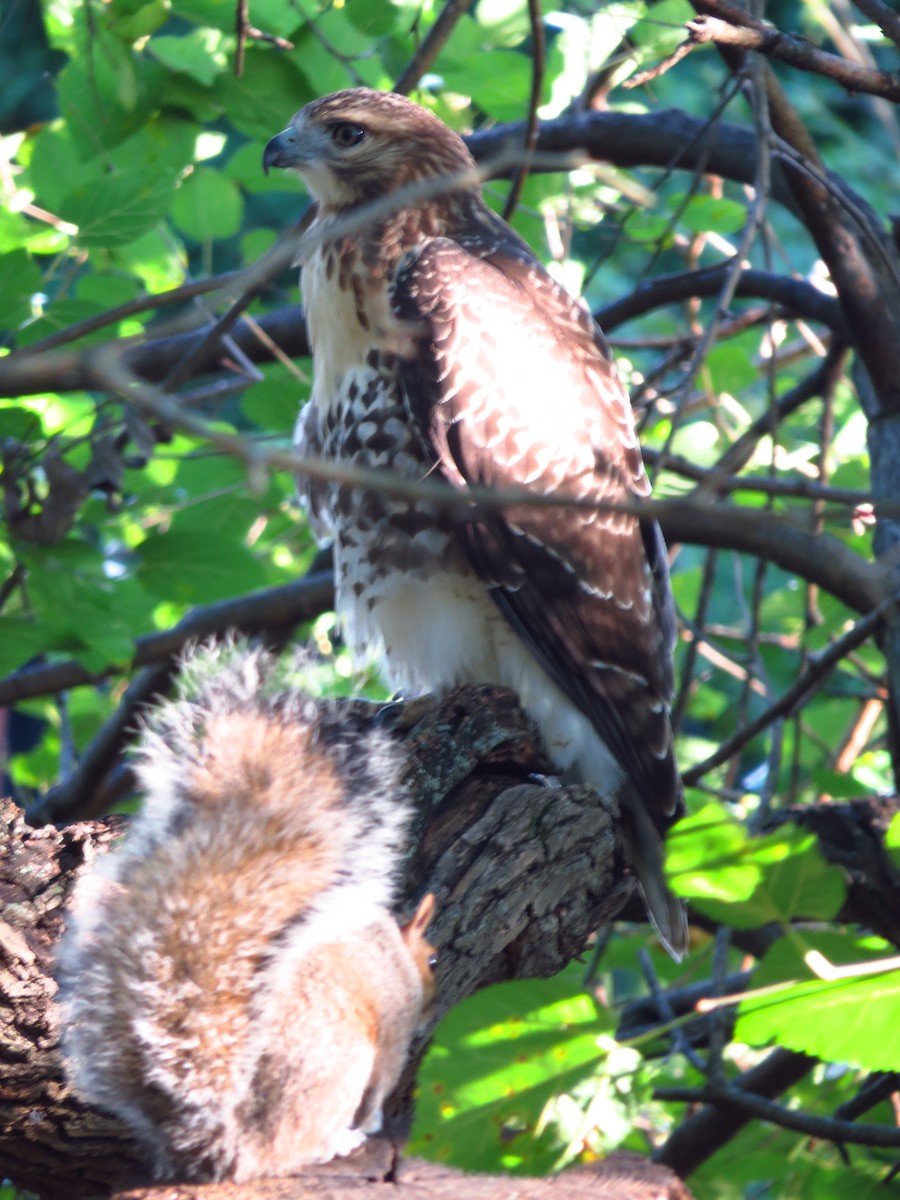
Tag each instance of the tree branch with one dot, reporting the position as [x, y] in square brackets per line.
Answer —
[538, 64]
[764, 38]
[435, 40]
[886, 18]
[818, 667]
[798, 297]
[698, 1138]
[272, 609]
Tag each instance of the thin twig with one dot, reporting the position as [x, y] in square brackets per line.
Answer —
[820, 665]
[680, 1041]
[827, 1129]
[886, 18]
[538, 61]
[434, 41]
[72, 333]
[702, 1133]
[241, 23]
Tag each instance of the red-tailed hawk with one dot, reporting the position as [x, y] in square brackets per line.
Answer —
[442, 348]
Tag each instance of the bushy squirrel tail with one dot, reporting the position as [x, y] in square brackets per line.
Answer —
[272, 823]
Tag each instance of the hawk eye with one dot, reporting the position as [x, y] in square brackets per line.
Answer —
[346, 134]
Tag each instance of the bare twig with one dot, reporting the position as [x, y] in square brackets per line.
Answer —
[704, 1132]
[431, 46]
[827, 1129]
[72, 333]
[241, 22]
[538, 62]
[680, 1041]
[819, 666]
[79, 794]
[820, 381]
[661, 68]
[886, 18]
[807, 489]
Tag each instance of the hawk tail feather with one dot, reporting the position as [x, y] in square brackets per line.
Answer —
[665, 910]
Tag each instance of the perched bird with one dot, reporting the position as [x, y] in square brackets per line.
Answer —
[443, 349]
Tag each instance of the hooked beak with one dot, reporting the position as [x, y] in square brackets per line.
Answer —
[282, 151]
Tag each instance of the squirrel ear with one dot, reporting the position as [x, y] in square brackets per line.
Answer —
[421, 950]
[415, 929]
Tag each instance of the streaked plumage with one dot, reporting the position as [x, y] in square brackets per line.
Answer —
[442, 347]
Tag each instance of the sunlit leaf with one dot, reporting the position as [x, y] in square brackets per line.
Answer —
[850, 1020]
[207, 205]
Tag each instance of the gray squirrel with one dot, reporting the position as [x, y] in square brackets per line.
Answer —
[233, 983]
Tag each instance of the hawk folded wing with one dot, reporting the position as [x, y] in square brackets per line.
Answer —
[513, 387]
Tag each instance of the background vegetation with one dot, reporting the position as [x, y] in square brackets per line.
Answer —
[142, 493]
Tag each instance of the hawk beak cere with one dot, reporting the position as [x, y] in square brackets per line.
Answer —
[283, 150]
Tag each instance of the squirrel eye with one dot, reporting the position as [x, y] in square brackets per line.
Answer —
[432, 961]
[346, 134]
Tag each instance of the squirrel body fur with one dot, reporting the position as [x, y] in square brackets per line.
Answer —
[233, 982]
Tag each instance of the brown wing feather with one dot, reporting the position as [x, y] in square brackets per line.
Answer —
[515, 385]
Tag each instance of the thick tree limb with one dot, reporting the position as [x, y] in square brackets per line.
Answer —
[376, 1173]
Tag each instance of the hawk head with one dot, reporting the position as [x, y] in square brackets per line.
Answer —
[358, 144]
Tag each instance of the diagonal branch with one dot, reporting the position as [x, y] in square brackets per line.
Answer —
[752, 34]
[424, 58]
[819, 667]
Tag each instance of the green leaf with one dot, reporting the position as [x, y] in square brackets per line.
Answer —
[850, 1020]
[733, 367]
[746, 882]
[281, 17]
[711, 214]
[119, 210]
[496, 1061]
[704, 858]
[21, 638]
[75, 605]
[892, 841]
[133, 21]
[498, 91]
[107, 95]
[17, 423]
[189, 567]
[20, 279]
[208, 206]
[274, 403]
[262, 101]
[506, 22]
[201, 53]
[373, 20]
